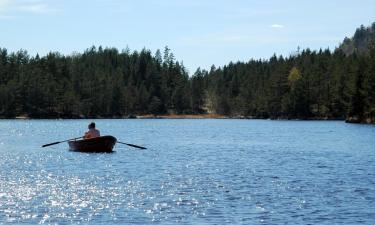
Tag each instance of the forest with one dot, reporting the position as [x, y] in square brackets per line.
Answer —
[108, 83]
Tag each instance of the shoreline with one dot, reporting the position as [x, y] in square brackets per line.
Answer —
[196, 116]
[173, 116]
[354, 120]
[182, 116]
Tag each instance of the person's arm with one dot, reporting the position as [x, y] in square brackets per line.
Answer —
[87, 135]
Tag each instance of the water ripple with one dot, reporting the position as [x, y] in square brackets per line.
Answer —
[194, 172]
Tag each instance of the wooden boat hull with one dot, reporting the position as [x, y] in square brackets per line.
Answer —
[99, 144]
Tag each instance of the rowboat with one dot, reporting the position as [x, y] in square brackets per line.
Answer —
[98, 144]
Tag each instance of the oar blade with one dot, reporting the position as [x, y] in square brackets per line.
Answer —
[131, 145]
[54, 143]
[136, 146]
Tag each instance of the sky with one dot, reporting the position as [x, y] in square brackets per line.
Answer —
[198, 32]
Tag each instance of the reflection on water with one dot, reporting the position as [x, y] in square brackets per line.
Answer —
[193, 172]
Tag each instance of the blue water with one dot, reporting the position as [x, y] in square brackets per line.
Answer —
[193, 172]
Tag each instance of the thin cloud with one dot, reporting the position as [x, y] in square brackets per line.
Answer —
[4, 4]
[9, 7]
[277, 26]
[34, 8]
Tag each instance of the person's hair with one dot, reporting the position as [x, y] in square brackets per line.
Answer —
[92, 125]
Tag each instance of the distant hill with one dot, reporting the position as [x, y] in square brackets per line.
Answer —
[361, 42]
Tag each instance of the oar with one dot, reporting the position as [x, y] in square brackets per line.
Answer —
[135, 146]
[58, 142]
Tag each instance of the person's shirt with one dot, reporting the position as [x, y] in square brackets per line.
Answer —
[92, 133]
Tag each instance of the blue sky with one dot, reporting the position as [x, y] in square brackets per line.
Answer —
[199, 32]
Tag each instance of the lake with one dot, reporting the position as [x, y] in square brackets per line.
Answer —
[207, 171]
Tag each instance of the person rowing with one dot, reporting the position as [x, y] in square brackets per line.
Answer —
[92, 132]
[81, 145]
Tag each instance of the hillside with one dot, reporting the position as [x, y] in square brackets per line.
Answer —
[361, 42]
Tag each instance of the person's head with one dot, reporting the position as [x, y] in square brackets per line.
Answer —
[92, 125]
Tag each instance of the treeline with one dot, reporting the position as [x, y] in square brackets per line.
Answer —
[98, 83]
[110, 83]
[307, 85]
